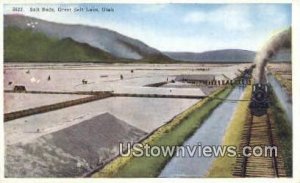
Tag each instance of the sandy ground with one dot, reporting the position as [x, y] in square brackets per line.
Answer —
[206, 90]
[71, 151]
[280, 67]
[106, 77]
[20, 101]
[283, 73]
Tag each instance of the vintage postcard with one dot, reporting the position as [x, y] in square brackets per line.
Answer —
[165, 90]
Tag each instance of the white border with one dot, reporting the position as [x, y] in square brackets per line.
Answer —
[296, 95]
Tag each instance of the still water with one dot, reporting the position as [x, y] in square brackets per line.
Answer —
[211, 132]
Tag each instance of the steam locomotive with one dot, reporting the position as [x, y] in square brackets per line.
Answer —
[260, 99]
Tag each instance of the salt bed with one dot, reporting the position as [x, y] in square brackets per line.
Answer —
[71, 151]
[146, 114]
[68, 78]
[71, 141]
[20, 101]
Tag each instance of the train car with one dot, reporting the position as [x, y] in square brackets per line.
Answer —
[246, 76]
[259, 103]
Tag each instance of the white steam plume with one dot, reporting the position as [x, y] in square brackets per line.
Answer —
[270, 49]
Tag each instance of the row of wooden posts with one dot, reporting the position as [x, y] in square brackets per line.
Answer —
[226, 82]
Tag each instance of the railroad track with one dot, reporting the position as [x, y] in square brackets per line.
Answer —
[259, 131]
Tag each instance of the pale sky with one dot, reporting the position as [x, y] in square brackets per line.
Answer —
[180, 27]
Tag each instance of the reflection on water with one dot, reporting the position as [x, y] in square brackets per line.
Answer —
[210, 133]
[282, 96]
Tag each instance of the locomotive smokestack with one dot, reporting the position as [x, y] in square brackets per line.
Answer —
[277, 42]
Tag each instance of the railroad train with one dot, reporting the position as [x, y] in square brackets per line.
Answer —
[247, 74]
[260, 102]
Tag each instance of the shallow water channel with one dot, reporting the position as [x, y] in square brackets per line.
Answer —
[283, 97]
[210, 133]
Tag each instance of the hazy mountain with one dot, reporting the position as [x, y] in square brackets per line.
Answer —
[116, 44]
[32, 39]
[227, 55]
[24, 45]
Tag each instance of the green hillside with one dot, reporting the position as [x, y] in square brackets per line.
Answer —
[28, 46]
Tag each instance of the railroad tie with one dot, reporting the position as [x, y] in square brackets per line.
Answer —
[259, 131]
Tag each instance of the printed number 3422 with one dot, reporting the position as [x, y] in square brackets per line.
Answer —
[17, 9]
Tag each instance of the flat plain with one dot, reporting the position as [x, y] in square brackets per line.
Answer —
[129, 119]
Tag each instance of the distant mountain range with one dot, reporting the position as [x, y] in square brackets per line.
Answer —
[28, 39]
[227, 55]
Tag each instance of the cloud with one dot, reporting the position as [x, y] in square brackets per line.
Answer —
[62, 17]
[195, 17]
[149, 8]
[203, 43]
[225, 26]
[230, 17]
[233, 17]
[273, 15]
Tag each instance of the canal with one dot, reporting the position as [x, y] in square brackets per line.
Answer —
[210, 133]
[283, 98]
